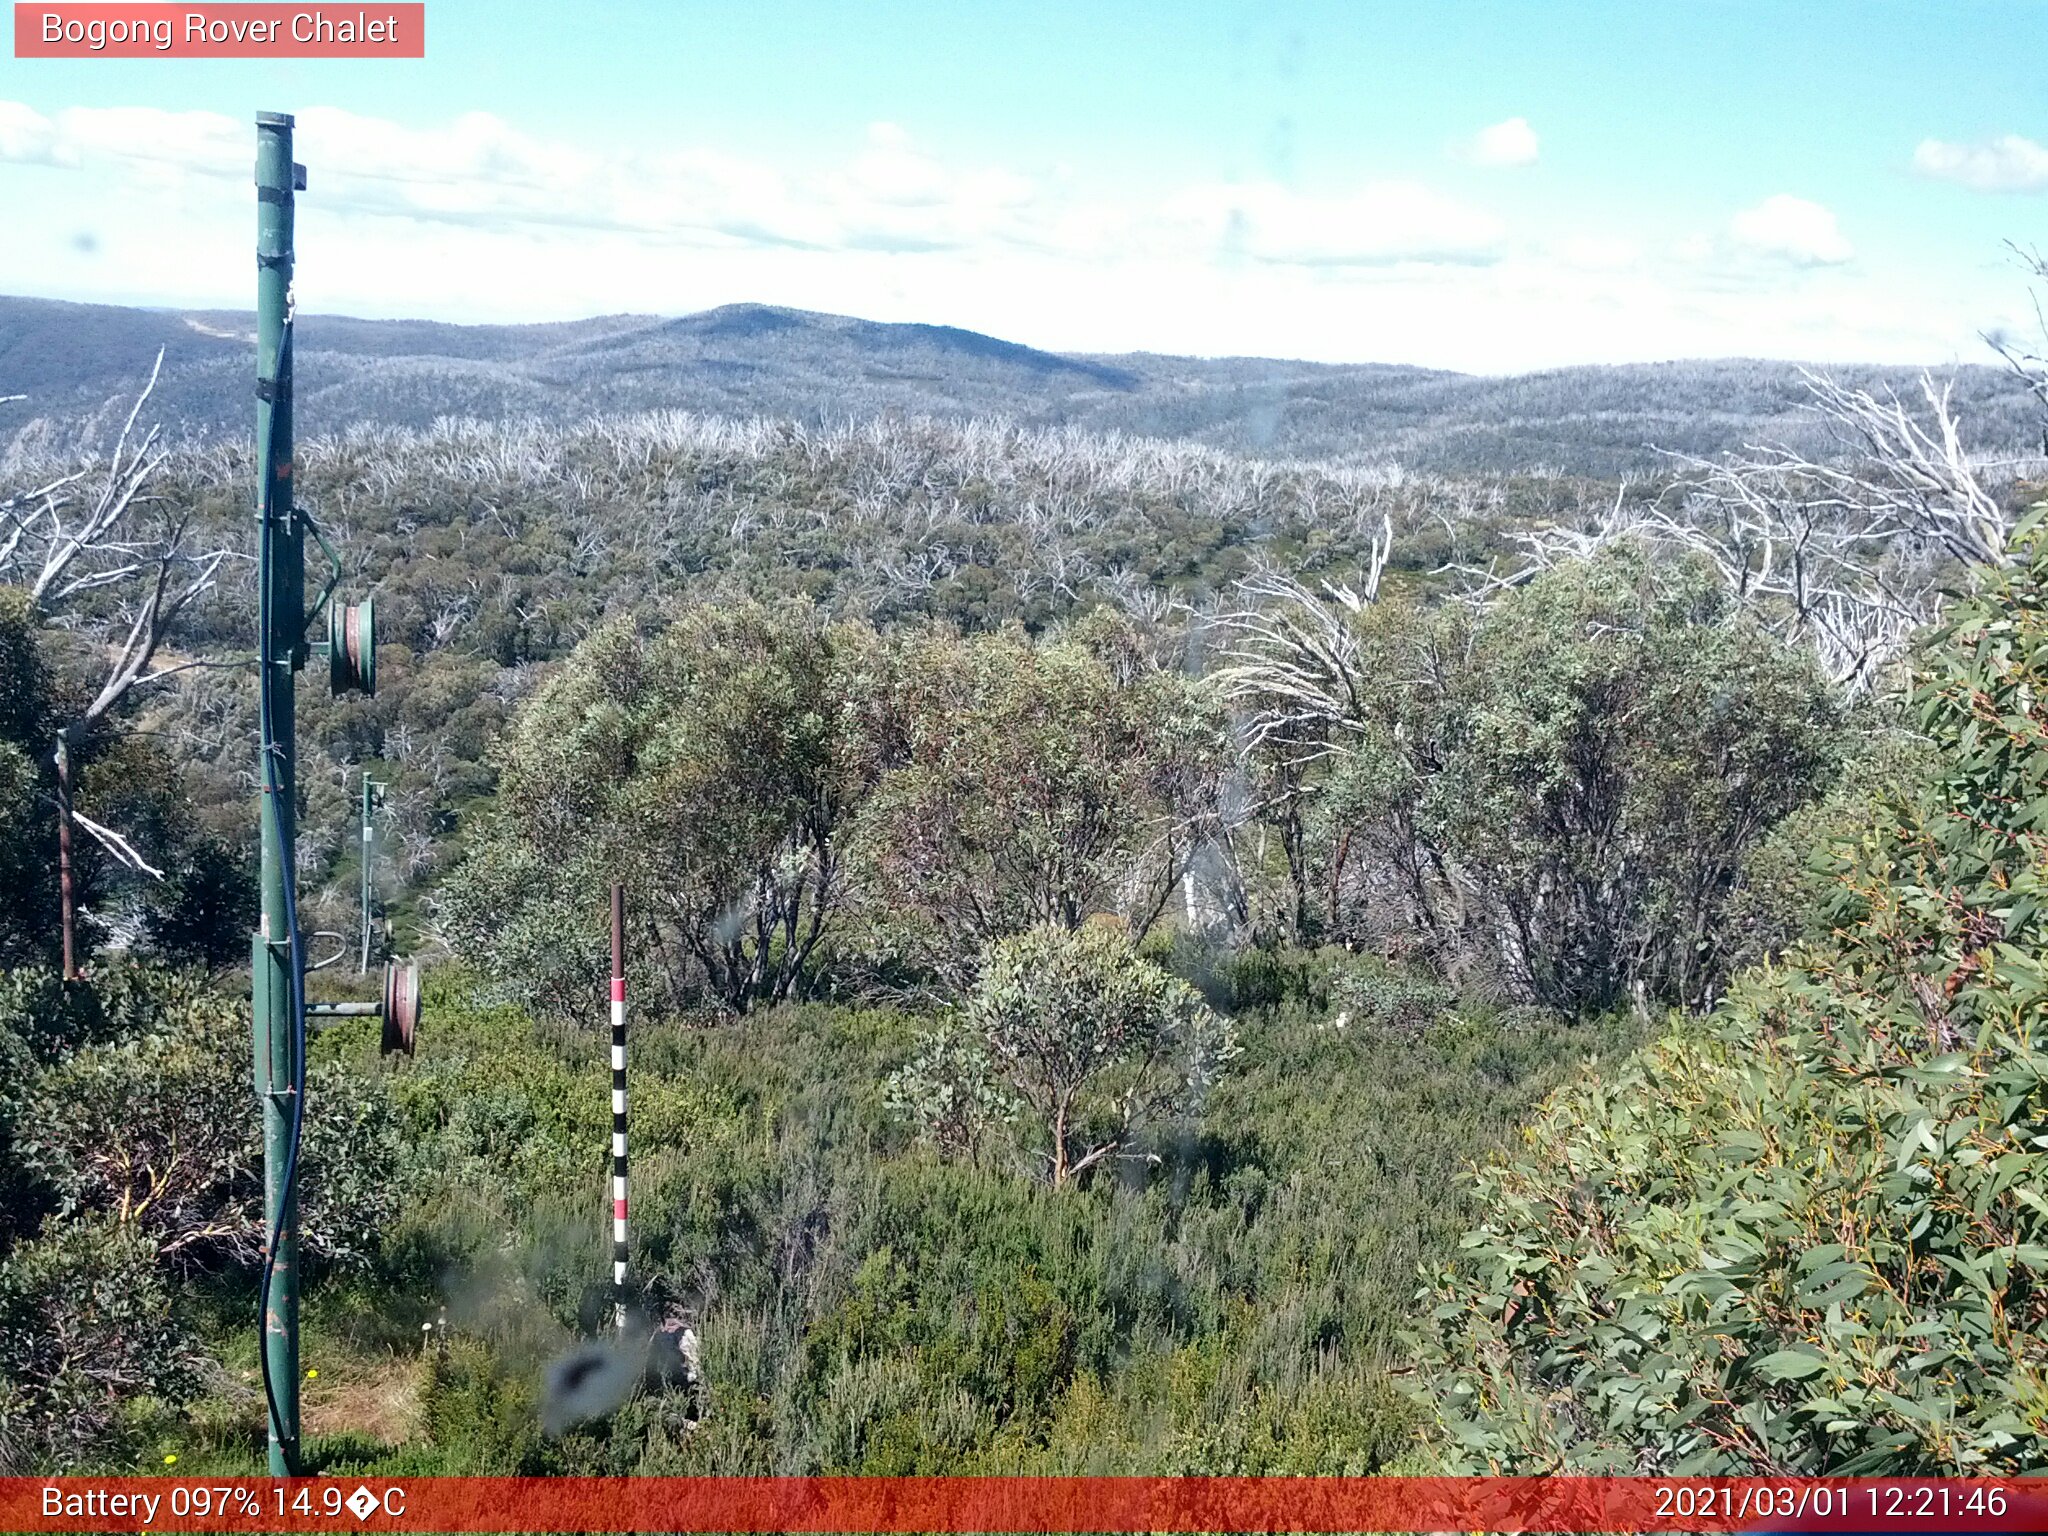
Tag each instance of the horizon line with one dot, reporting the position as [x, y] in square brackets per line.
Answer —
[1806, 363]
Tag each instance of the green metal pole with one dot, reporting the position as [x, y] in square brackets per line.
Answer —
[281, 621]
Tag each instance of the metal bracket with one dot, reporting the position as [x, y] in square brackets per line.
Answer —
[333, 571]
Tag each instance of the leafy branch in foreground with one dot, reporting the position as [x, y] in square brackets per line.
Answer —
[1807, 1234]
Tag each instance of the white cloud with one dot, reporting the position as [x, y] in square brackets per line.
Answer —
[479, 169]
[2006, 164]
[891, 195]
[1376, 225]
[1599, 253]
[26, 136]
[1791, 229]
[894, 170]
[472, 218]
[1508, 143]
[188, 141]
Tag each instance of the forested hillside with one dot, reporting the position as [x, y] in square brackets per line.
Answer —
[826, 370]
[1110, 921]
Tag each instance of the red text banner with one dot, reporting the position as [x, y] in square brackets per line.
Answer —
[1016, 1504]
[102, 31]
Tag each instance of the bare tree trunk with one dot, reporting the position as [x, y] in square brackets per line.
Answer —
[61, 546]
[1294, 839]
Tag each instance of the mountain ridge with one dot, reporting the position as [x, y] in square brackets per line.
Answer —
[76, 360]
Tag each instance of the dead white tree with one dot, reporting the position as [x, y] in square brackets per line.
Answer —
[455, 610]
[1292, 657]
[1913, 475]
[2022, 357]
[1538, 548]
[1846, 554]
[89, 559]
[1295, 669]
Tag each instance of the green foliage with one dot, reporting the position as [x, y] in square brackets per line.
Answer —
[752, 771]
[200, 911]
[87, 1327]
[43, 1019]
[1026, 784]
[1075, 1031]
[950, 1094]
[527, 921]
[497, 558]
[156, 1129]
[482, 1417]
[1370, 994]
[1619, 740]
[488, 1109]
[27, 833]
[711, 769]
[25, 860]
[1789, 878]
[825, 792]
[1807, 1234]
[1226, 1301]
[1553, 800]
[1262, 977]
[1230, 1309]
[208, 903]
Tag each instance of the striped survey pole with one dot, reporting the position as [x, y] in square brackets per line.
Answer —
[619, 1106]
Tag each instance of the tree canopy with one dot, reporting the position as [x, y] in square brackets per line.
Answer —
[1806, 1233]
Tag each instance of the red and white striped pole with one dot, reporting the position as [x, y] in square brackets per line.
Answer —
[619, 1106]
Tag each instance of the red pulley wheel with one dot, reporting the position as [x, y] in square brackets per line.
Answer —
[352, 648]
[401, 1006]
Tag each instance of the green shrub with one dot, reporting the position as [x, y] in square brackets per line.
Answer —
[1809, 1234]
[1266, 977]
[712, 768]
[482, 1414]
[1070, 1031]
[1549, 798]
[1370, 994]
[158, 1129]
[1021, 784]
[87, 1327]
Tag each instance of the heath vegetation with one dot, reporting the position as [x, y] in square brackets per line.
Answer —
[1112, 922]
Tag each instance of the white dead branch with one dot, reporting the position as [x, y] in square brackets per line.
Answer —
[79, 544]
[117, 845]
[1294, 657]
[1846, 555]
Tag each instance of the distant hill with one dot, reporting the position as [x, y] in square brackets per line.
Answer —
[746, 359]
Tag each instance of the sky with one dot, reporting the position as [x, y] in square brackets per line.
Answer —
[1485, 187]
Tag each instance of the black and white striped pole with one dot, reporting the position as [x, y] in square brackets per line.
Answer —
[619, 1107]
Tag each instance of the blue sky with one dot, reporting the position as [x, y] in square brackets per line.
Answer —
[1483, 186]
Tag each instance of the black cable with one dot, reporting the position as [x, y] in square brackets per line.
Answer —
[266, 682]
